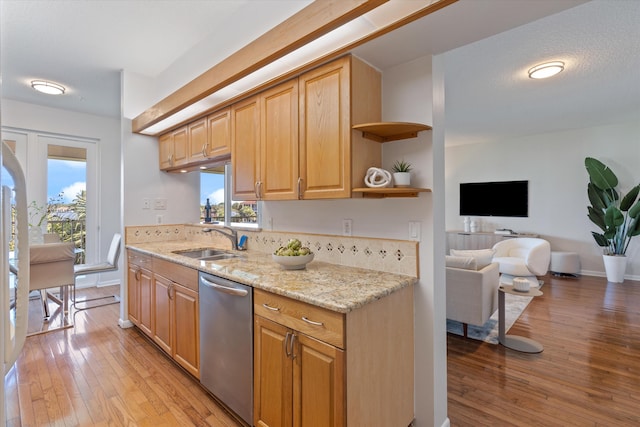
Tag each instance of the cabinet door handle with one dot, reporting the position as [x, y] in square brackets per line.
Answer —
[260, 190]
[286, 344]
[204, 150]
[255, 189]
[169, 289]
[268, 307]
[292, 344]
[299, 188]
[312, 322]
[171, 159]
[137, 274]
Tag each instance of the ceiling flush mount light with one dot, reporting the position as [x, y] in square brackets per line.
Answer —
[548, 69]
[49, 88]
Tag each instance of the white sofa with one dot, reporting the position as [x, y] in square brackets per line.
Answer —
[472, 292]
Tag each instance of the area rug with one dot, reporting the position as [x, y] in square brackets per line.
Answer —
[514, 305]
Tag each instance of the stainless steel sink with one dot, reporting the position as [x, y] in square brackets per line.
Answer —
[219, 256]
[207, 254]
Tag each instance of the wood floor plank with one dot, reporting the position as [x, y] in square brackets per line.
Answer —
[98, 374]
[587, 375]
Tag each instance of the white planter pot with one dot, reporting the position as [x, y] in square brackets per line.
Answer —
[402, 179]
[615, 267]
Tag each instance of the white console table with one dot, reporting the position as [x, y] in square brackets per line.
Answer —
[479, 240]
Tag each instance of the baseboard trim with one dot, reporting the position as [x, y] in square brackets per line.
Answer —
[125, 324]
[603, 274]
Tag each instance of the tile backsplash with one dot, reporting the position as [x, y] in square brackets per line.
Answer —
[392, 256]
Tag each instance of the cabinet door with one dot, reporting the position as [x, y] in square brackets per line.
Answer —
[197, 140]
[165, 150]
[318, 384]
[272, 398]
[245, 137]
[146, 301]
[219, 128]
[279, 142]
[180, 146]
[133, 293]
[186, 330]
[325, 129]
[163, 312]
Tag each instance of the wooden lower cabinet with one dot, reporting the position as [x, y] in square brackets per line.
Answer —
[177, 326]
[164, 304]
[162, 307]
[186, 331]
[299, 381]
[139, 278]
[315, 367]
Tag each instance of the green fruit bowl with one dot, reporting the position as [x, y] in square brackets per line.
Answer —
[293, 262]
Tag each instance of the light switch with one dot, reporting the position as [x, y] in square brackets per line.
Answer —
[414, 230]
[160, 204]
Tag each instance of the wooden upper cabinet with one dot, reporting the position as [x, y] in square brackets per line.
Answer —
[202, 141]
[264, 145]
[219, 129]
[198, 141]
[173, 148]
[333, 158]
[279, 142]
[245, 148]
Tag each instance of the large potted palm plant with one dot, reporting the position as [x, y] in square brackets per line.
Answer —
[618, 217]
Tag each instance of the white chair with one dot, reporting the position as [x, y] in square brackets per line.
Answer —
[51, 265]
[111, 264]
[472, 294]
[526, 257]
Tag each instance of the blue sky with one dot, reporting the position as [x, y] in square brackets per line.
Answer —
[66, 176]
[212, 187]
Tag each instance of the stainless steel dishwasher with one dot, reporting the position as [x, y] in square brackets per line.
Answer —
[226, 342]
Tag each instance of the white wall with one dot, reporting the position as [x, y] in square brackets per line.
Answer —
[106, 131]
[144, 179]
[553, 163]
[141, 173]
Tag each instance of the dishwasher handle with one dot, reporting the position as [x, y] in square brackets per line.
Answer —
[225, 289]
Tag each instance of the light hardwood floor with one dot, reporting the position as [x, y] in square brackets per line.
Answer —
[100, 374]
[587, 375]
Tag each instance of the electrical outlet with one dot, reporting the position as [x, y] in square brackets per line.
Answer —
[270, 224]
[347, 227]
[146, 203]
[414, 230]
[158, 219]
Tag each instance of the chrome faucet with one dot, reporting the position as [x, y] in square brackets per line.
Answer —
[230, 233]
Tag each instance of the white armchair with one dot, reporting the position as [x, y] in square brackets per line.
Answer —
[522, 257]
[472, 295]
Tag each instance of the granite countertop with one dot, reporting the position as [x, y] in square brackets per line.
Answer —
[334, 287]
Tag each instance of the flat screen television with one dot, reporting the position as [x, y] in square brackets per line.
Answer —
[503, 198]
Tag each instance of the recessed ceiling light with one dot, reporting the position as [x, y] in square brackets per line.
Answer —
[547, 69]
[49, 88]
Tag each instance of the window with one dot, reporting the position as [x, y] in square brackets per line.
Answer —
[215, 185]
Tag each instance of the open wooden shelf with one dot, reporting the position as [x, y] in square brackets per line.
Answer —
[390, 131]
[379, 193]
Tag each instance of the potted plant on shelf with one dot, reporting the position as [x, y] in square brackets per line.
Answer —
[401, 174]
[618, 217]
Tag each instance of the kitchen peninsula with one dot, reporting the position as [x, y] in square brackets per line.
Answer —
[352, 326]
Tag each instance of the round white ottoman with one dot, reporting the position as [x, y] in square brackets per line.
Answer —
[565, 263]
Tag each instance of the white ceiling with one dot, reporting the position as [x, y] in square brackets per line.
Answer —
[489, 45]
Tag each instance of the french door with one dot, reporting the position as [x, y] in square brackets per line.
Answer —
[62, 174]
